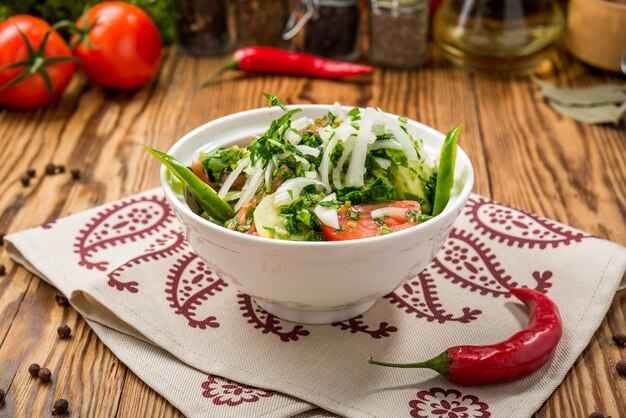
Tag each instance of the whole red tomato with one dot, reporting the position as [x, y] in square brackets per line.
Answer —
[124, 46]
[32, 91]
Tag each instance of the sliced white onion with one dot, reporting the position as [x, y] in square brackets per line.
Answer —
[325, 164]
[383, 162]
[300, 123]
[306, 165]
[389, 211]
[269, 170]
[230, 196]
[345, 130]
[310, 174]
[306, 150]
[328, 214]
[290, 190]
[275, 142]
[356, 169]
[326, 133]
[385, 144]
[251, 186]
[348, 146]
[403, 138]
[233, 176]
[292, 137]
[337, 111]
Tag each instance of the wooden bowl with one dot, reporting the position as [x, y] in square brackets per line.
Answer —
[596, 32]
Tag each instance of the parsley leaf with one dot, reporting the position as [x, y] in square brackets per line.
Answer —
[275, 101]
[221, 161]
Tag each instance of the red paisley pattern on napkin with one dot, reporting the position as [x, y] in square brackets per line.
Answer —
[441, 403]
[419, 297]
[471, 264]
[128, 220]
[515, 227]
[358, 325]
[190, 283]
[226, 392]
[166, 245]
[268, 323]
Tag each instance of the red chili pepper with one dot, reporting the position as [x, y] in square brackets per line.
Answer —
[259, 59]
[517, 357]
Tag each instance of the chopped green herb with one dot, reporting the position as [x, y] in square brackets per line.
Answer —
[416, 216]
[221, 161]
[275, 101]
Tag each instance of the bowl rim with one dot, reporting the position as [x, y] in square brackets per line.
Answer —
[463, 195]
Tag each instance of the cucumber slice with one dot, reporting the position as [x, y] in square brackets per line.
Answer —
[268, 222]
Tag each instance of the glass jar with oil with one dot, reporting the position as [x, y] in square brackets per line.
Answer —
[502, 36]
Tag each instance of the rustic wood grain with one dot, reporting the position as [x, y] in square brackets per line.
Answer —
[523, 153]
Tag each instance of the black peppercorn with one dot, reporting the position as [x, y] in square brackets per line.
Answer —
[33, 369]
[60, 407]
[2, 239]
[619, 339]
[60, 168]
[61, 300]
[3, 270]
[621, 368]
[2, 396]
[31, 172]
[51, 169]
[25, 181]
[64, 331]
[75, 172]
[596, 415]
[44, 374]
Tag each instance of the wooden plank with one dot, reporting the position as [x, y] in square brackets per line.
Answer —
[139, 400]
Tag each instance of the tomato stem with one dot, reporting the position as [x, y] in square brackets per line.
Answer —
[36, 62]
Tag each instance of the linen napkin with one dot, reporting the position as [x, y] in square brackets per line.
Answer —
[211, 351]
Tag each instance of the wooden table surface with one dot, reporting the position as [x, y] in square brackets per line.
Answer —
[524, 155]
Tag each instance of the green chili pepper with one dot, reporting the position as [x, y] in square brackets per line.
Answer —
[445, 175]
[206, 197]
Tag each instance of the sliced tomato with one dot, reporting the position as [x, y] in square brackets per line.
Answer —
[355, 222]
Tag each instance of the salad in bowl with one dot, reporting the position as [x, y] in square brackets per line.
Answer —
[316, 211]
[346, 175]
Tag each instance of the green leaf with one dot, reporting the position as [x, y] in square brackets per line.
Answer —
[586, 96]
[354, 112]
[607, 113]
[275, 101]
[206, 197]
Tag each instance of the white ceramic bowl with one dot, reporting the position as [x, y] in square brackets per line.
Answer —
[310, 282]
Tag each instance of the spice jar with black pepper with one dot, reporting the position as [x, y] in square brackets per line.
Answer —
[203, 27]
[261, 22]
[398, 33]
[331, 27]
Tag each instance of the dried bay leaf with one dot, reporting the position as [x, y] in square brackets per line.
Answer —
[586, 96]
[608, 113]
